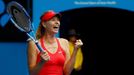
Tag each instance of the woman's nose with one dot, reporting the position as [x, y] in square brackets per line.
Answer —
[58, 22]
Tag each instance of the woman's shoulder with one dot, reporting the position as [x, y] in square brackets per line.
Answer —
[65, 46]
[62, 40]
[64, 43]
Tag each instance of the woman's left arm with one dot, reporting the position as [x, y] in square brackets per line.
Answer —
[69, 63]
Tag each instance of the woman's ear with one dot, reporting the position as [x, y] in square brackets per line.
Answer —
[43, 24]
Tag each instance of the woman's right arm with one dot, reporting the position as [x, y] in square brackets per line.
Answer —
[34, 67]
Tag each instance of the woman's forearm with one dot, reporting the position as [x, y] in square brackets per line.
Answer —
[70, 64]
[36, 69]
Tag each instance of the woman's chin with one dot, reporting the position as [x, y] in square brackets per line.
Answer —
[55, 32]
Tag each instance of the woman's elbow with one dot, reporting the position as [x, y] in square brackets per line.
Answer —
[66, 72]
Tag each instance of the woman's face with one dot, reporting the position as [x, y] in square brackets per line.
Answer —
[52, 26]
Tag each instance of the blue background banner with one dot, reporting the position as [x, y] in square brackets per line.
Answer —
[40, 6]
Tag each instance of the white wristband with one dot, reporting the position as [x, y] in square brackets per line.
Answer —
[29, 39]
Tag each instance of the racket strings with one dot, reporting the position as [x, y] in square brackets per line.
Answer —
[19, 16]
[23, 22]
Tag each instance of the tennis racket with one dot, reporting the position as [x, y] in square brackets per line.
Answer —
[21, 19]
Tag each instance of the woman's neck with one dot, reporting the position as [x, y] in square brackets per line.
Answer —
[49, 38]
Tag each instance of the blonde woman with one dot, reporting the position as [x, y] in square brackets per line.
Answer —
[55, 59]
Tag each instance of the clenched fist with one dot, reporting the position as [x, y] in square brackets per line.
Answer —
[78, 43]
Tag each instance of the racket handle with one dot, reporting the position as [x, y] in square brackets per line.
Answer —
[39, 47]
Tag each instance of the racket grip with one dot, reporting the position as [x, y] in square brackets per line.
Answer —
[38, 46]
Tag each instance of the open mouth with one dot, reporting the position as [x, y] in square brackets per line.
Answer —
[56, 27]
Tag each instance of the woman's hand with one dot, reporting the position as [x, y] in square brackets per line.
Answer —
[44, 56]
[78, 43]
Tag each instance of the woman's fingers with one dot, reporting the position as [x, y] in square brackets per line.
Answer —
[79, 42]
[44, 55]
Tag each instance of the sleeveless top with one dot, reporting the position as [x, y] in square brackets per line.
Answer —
[55, 65]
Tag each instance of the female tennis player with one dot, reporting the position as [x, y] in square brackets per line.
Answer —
[55, 58]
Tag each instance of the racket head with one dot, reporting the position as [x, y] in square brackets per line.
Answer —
[19, 16]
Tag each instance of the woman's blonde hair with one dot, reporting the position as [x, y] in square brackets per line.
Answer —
[40, 31]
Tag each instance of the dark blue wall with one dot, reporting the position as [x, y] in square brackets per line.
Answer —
[13, 58]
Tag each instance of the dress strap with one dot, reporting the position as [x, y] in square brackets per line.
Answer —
[42, 44]
[59, 46]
